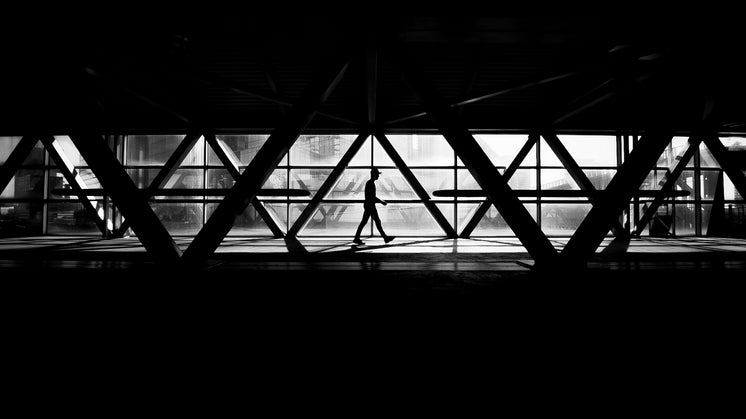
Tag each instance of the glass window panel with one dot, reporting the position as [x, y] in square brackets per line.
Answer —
[654, 181]
[735, 216]
[219, 179]
[557, 179]
[58, 181]
[502, 149]
[392, 185]
[142, 177]
[155, 150]
[673, 151]
[685, 183]
[660, 225]
[411, 219]
[179, 218]
[36, 157]
[279, 212]
[308, 179]
[20, 219]
[332, 219]
[685, 220]
[8, 144]
[27, 183]
[734, 143]
[731, 193]
[295, 210]
[548, 158]
[351, 185]
[248, 223]
[706, 214]
[69, 150]
[363, 156]
[521, 179]
[562, 219]
[186, 179]
[380, 156]
[706, 159]
[493, 224]
[448, 211]
[466, 181]
[423, 150]
[70, 218]
[242, 148]
[586, 150]
[434, 179]
[600, 178]
[464, 213]
[708, 180]
[320, 150]
[277, 180]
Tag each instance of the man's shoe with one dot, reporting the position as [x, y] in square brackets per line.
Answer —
[388, 238]
[358, 241]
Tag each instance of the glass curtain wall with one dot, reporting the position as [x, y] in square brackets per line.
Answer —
[39, 199]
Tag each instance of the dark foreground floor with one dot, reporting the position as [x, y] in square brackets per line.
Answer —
[282, 303]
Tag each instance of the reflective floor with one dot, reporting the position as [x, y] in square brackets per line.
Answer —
[405, 254]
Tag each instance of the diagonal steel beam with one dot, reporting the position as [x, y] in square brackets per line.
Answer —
[577, 173]
[73, 178]
[474, 158]
[232, 166]
[485, 206]
[416, 186]
[16, 159]
[327, 186]
[615, 198]
[671, 180]
[260, 168]
[168, 169]
[131, 202]
[731, 169]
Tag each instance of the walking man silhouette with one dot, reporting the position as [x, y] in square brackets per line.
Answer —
[369, 208]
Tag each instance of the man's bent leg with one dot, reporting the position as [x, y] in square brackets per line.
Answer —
[364, 221]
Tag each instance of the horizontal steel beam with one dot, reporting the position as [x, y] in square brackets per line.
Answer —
[151, 193]
[478, 193]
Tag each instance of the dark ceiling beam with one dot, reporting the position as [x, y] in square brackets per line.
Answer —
[671, 179]
[168, 170]
[577, 174]
[128, 199]
[143, 98]
[260, 168]
[474, 158]
[416, 186]
[491, 95]
[213, 80]
[327, 186]
[232, 167]
[16, 159]
[74, 180]
[615, 198]
[371, 67]
[270, 75]
[597, 95]
[473, 222]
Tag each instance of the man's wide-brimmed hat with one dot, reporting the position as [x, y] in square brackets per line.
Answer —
[374, 170]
